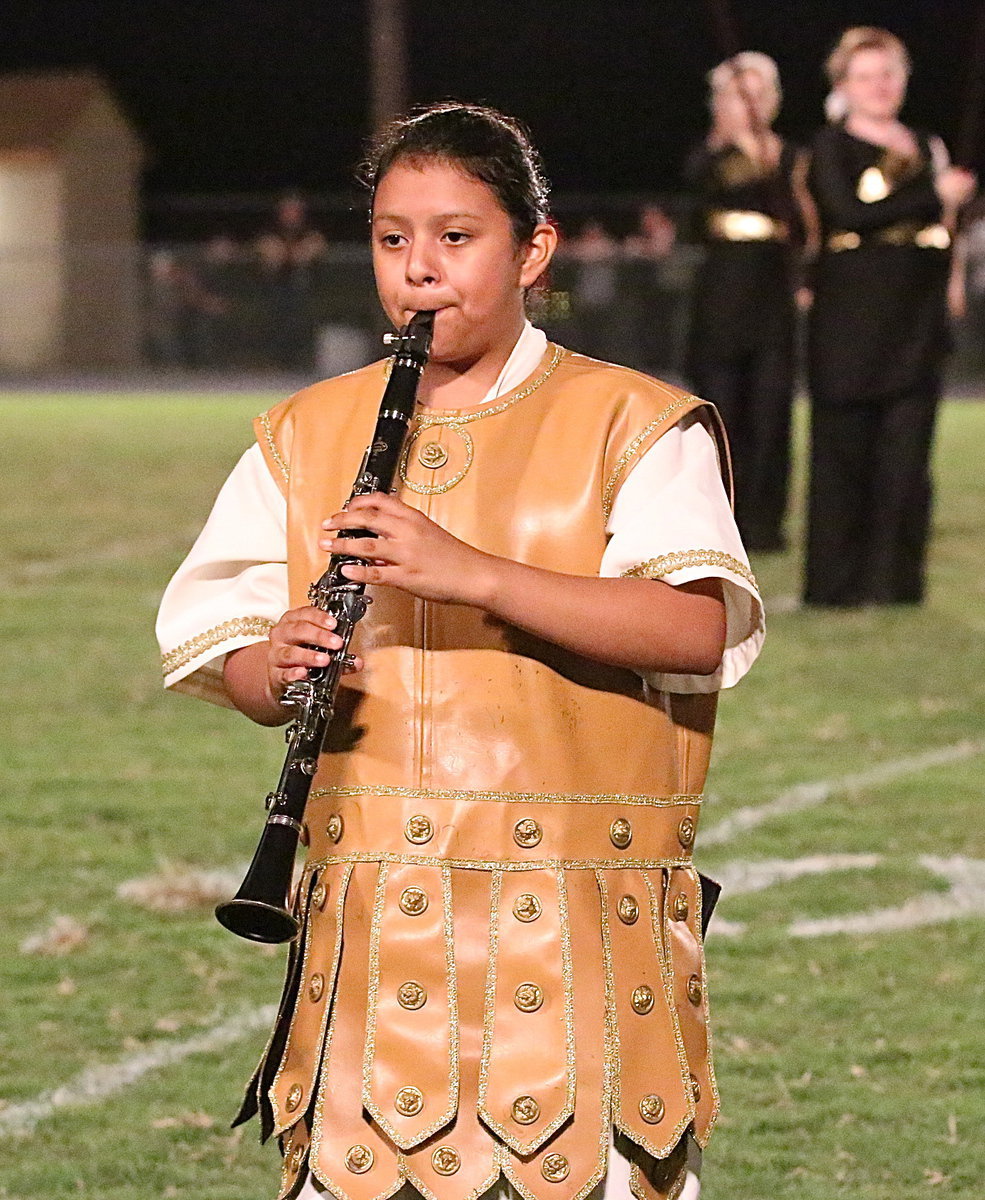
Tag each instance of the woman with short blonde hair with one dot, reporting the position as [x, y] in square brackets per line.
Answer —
[888, 200]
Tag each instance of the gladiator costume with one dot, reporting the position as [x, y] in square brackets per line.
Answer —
[500, 957]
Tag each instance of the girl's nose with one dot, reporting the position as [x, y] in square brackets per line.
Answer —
[421, 264]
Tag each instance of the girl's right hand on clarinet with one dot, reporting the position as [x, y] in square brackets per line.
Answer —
[292, 647]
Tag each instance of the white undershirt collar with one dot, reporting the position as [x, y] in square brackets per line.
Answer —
[523, 361]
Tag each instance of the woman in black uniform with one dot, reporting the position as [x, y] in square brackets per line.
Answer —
[887, 199]
[741, 353]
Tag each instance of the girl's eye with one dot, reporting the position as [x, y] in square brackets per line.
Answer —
[456, 237]
[391, 239]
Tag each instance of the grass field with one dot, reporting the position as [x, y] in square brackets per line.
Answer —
[851, 1063]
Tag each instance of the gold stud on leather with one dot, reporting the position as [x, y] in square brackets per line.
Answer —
[628, 910]
[620, 833]
[359, 1159]
[411, 995]
[413, 901]
[681, 906]
[525, 1110]
[334, 828]
[294, 1097]
[642, 999]
[432, 455]
[419, 830]
[695, 1089]
[319, 896]
[694, 989]
[527, 907]
[528, 997]
[408, 1101]
[652, 1109]
[527, 833]
[297, 1157]
[555, 1168]
[685, 832]
[316, 988]
[446, 1160]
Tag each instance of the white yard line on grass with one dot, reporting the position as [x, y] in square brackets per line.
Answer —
[810, 795]
[966, 897]
[96, 1083]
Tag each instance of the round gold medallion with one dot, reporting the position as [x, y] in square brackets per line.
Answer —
[694, 989]
[695, 1088]
[555, 1168]
[334, 828]
[446, 1160]
[432, 455]
[681, 906]
[319, 896]
[642, 999]
[413, 901]
[685, 832]
[359, 1159]
[525, 1110]
[628, 910]
[527, 907]
[419, 830]
[316, 987]
[527, 833]
[294, 1097]
[528, 997]
[408, 1101]
[297, 1157]
[652, 1109]
[620, 833]
[411, 995]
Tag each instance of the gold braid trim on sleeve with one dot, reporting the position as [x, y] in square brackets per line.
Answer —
[275, 453]
[666, 564]
[181, 655]
[609, 495]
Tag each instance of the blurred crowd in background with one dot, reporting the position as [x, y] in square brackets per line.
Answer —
[288, 298]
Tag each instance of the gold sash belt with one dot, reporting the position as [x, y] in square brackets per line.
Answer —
[739, 225]
[499, 831]
[926, 237]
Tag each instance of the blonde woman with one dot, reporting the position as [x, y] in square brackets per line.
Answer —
[887, 199]
[741, 354]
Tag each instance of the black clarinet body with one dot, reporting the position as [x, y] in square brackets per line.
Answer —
[259, 911]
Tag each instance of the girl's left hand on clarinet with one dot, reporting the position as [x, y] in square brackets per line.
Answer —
[407, 551]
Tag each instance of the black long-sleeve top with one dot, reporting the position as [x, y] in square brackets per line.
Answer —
[878, 324]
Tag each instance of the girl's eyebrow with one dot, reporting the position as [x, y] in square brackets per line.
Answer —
[437, 217]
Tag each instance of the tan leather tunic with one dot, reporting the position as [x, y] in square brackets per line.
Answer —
[501, 952]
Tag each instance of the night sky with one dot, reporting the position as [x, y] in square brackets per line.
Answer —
[256, 95]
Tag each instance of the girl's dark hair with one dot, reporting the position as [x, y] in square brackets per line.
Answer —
[486, 144]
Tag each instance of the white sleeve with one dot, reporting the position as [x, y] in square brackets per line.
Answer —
[232, 587]
[672, 521]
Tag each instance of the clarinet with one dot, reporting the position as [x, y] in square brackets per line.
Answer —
[259, 910]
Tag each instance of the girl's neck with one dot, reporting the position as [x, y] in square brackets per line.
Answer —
[463, 385]
[450, 386]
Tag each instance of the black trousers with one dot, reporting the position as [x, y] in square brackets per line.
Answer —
[754, 394]
[870, 499]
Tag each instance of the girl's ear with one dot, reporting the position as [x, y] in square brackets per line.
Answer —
[537, 253]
